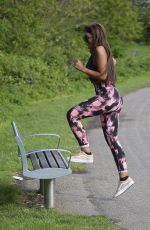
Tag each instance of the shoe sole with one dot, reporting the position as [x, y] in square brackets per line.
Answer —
[82, 161]
[125, 189]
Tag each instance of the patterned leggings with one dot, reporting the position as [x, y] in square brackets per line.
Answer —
[108, 106]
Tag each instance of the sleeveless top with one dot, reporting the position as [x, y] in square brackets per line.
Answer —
[100, 86]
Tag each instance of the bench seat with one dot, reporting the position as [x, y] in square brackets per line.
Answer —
[47, 164]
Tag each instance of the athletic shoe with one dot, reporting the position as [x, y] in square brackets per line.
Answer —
[123, 186]
[82, 158]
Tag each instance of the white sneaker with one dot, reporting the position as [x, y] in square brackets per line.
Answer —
[123, 186]
[82, 158]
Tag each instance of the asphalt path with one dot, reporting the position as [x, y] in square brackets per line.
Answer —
[91, 192]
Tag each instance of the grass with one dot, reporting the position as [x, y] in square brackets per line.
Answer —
[48, 115]
[13, 218]
[132, 84]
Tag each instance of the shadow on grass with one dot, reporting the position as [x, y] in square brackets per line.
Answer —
[8, 193]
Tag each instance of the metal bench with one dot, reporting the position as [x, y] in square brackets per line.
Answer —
[47, 165]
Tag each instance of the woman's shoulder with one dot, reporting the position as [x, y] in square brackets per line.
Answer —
[100, 49]
[100, 52]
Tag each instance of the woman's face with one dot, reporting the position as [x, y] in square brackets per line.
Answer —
[89, 40]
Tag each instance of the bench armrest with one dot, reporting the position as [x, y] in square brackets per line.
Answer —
[69, 158]
[46, 134]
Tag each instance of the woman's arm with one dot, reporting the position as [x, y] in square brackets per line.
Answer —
[101, 62]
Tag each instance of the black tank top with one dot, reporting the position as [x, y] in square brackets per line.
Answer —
[100, 86]
[92, 66]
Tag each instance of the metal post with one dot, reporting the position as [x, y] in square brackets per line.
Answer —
[49, 193]
[42, 186]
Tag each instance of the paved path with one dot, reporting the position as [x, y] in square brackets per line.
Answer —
[91, 192]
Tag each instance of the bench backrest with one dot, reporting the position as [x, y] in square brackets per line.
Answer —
[21, 148]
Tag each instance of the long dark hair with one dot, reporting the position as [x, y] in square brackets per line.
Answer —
[99, 37]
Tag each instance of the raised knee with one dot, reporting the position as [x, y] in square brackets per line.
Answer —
[72, 113]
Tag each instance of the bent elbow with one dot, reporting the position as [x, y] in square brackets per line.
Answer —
[103, 77]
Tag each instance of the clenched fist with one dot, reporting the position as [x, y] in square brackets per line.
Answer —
[78, 65]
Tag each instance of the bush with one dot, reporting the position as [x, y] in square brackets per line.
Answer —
[135, 61]
[25, 78]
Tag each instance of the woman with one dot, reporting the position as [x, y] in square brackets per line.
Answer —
[107, 103]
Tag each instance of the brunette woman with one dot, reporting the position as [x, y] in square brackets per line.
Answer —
[107, 103]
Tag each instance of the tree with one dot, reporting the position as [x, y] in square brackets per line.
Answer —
[144, 9]
[31, 27]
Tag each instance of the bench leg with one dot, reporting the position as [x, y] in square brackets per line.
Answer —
[49, 193]
[42, 186]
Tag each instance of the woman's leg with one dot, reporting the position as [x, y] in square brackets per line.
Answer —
[110, 129]
[92, 107]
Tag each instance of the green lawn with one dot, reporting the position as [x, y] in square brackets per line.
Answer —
[14, 217]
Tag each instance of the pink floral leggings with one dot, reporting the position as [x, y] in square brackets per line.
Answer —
[107, 105]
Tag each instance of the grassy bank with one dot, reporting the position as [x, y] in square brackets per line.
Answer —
[49, 115]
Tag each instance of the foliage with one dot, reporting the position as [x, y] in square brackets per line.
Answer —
[144, 11]
[32, 27]
[23, 78]
[134, 63]
[39, 40]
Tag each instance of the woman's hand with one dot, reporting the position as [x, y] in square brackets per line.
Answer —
[78, 65]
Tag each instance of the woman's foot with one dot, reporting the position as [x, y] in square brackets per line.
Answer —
[82, 157]
[123, 186]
